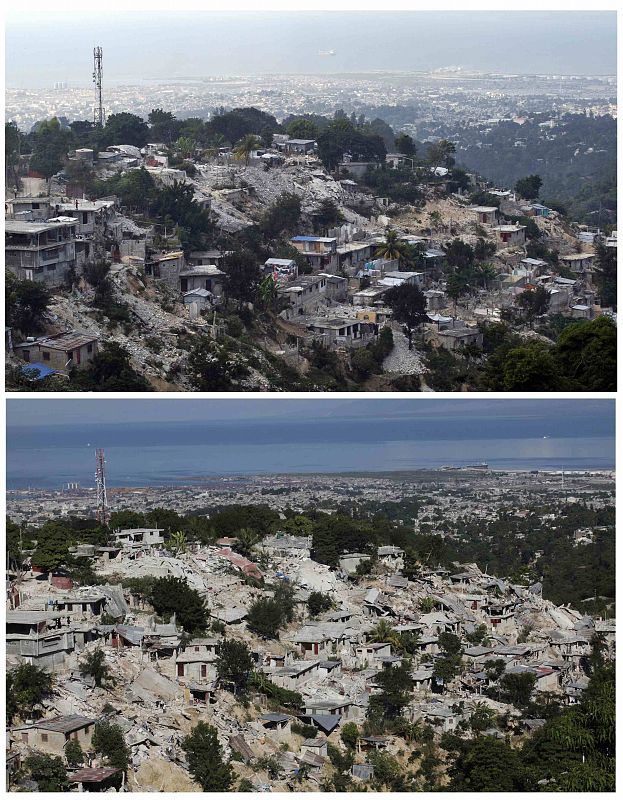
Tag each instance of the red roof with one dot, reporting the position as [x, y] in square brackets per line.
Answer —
[243, 564]
[93, 774]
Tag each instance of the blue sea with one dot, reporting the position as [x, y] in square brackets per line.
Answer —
[165, 454]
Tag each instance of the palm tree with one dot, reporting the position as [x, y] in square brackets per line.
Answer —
[247, 145]
[247, 539]
[393, 249]
[213, 149]
[484, 274]
[185, 146]
[267, 290]
[177, 542]
[383, 633]
[427, 604]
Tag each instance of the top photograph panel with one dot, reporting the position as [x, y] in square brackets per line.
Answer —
[312, 201]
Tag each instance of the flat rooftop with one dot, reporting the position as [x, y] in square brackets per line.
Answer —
[65, 341]
[66, 724]
[17, 226]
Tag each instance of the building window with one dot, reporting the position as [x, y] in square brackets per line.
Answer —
[89, 348]
[46, 355]
[44, 737]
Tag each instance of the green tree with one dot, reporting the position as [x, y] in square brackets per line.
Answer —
[409, 307]
[186, 146]
[586, 354]
[50, 144]
[298, 525]
[265, 618]
[234, 665]
[48, 772]
[125, 128]
[81, 174]
[247, 145]
[26, 687]
[482, 718]
[384, 633]
[606, 275]
[364, 363]
[211, 367]
[317, 602]
[517, 688]
[283, 216]
[205, 759]
[486, 764]
[405, 145]
[349, 734]
[441, 154]
[267, 291]
[110, 371]
[341, 137]
[285, 597]
[449, 643]
[427, 604]
[108, 740]
[52, 549]
[25, 303]
[448, 663]
[12, 151]
[302, 129]
[327, 215]
[163, 125]
[393, 248]
[74, 754]
[137, 190]
[534, 303]
[172, 595]
[177, 542]
[478, 635]
[531, 368]
[494, 668]
[395, 683]
[459, 255]
[94, 665]
[242, 276]
[529, 187]
[575, 751]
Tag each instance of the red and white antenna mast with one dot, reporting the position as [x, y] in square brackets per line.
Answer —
[101, 512]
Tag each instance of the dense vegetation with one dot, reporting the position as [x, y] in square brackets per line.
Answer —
[576, 160]
[526, 548]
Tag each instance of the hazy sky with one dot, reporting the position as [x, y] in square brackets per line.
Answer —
[41, 413]
[57, 45]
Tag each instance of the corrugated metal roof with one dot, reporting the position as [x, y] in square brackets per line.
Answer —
[65, 724]
[92, 774]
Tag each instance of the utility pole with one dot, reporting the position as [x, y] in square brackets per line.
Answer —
[98, 109]
[101, 512]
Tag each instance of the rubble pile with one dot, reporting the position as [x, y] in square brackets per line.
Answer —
[164, 683]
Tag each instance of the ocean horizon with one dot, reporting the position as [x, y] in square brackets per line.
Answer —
[179, 453]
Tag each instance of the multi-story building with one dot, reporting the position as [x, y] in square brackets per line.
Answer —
[41, 251]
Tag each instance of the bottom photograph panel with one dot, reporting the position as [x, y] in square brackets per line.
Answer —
[293, 595]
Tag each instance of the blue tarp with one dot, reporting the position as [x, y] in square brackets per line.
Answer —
[37, 371]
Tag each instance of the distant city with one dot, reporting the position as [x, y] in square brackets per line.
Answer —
[425, 100]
